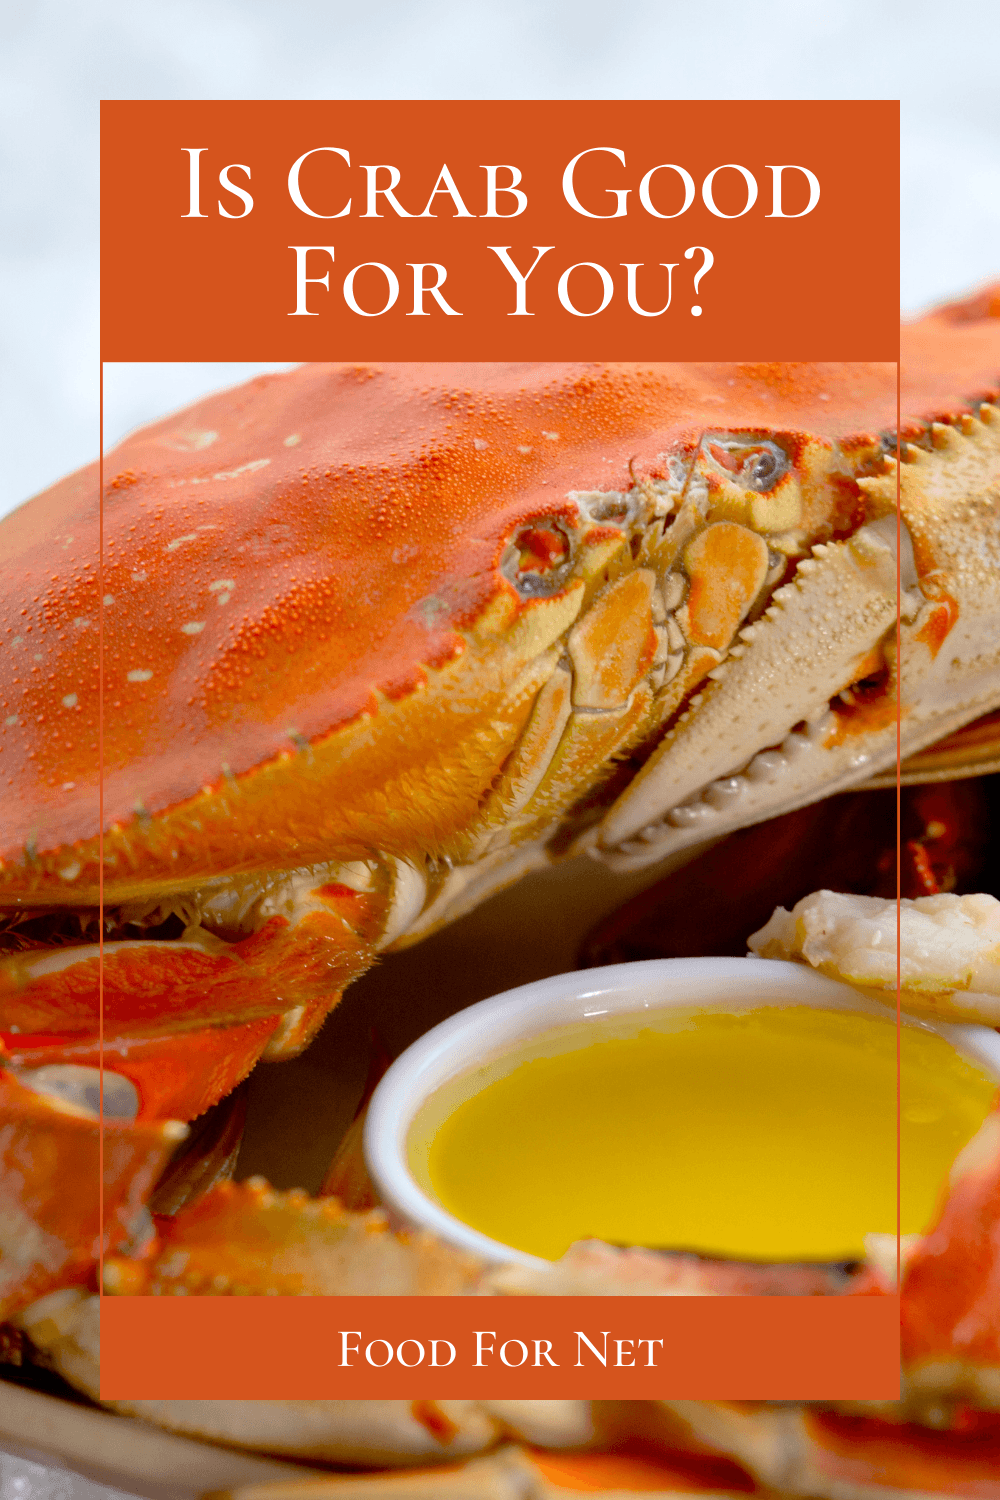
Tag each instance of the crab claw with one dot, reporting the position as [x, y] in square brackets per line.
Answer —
[749, 745]
[948, 495]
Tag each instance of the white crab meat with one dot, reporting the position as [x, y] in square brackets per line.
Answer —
[949, 947]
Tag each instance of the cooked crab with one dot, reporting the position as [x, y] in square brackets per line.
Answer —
[376, 642]
[364, 645]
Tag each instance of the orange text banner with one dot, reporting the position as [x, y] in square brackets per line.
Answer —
[476, 230]
[695, 1348]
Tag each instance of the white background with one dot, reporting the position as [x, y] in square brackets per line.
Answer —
[59, 57]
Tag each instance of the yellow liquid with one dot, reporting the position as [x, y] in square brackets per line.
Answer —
[765, 1134]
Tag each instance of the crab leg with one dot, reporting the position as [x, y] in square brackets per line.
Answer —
[250, 1240]
[177, 1076]
[818, 1453]
[513, 1474]
[49, 1201]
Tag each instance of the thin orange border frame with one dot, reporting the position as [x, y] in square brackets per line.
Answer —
[100, 755]
[101, 702]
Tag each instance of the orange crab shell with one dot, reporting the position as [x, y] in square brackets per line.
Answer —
[287, 563]
[840, 1450]
[51, 1160]
[147, 986]
[176, 1076]
[951, 1287]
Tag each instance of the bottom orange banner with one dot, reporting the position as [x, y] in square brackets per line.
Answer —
[351, 1348]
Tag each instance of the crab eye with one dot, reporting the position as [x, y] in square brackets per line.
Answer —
[538, 559]
[612, 507]
[765, 469]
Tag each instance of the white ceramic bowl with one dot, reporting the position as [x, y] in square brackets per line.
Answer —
[486, 1032]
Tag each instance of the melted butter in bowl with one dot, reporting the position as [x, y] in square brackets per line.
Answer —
[736, 1107]
[768, 1134]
